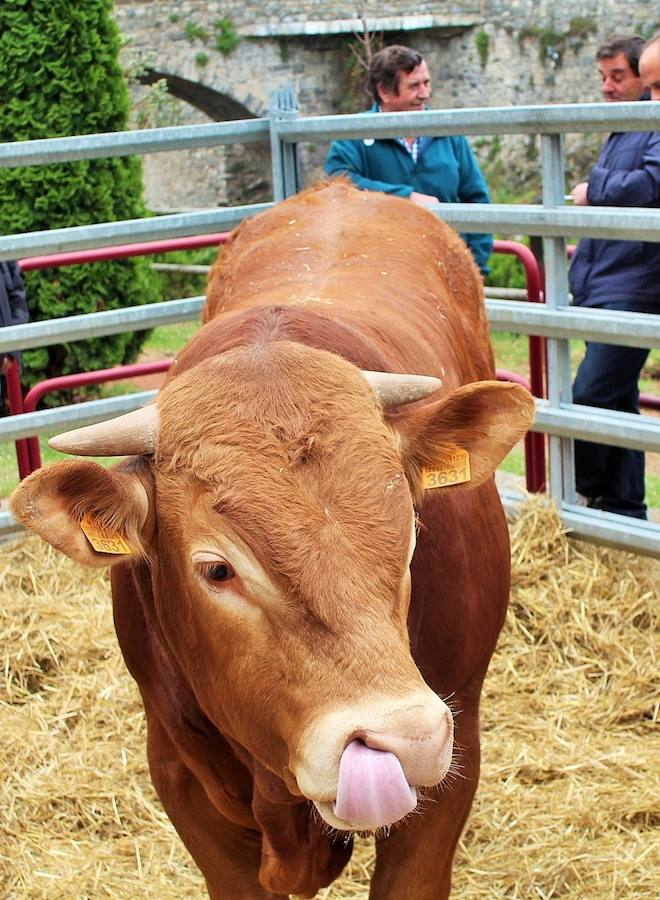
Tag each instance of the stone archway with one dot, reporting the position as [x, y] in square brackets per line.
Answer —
[246, 168]
[216, 105]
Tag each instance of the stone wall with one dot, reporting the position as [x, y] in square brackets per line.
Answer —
[487, 53]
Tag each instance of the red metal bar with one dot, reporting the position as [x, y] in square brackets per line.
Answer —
[649, 401]
[81, 379]
[101, 254]
[528, 260]
[534, 442]
[15, 402]
[506, 375]
[530, 442]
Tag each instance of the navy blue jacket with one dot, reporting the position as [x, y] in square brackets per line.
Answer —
[621, 274]
[446, 168]
[13, 304]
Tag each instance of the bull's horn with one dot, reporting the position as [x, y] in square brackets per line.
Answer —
[393, 390]
[129, 435]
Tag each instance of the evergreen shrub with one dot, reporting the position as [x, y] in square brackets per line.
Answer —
[59, 76]
[505, 272]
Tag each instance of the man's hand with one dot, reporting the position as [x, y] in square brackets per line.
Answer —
[424, 199]
[579, 194]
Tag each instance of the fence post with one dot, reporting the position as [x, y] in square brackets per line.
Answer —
[562, 474]
[284, 155]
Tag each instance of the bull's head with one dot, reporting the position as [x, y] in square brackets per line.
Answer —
[274, 510]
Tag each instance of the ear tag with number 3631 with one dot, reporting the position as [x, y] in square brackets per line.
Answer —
[453, 468]
[101, 539]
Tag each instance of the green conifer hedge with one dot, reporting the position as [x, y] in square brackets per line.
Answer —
[60, 75]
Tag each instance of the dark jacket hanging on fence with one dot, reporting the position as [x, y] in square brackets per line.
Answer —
[13, 303]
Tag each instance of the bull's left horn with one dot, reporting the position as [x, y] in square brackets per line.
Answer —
[395, 389]
[129, 435]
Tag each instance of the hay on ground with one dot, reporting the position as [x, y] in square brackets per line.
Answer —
[568, 801]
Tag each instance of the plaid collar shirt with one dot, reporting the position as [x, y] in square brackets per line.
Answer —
[410, 144]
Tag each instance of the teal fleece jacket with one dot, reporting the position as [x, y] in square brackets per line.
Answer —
[445, 168]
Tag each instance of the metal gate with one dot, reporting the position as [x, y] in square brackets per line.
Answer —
[552, 220]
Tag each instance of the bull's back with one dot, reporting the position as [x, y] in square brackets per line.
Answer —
[377, 264]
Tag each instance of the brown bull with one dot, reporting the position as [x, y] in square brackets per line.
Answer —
[291, 598]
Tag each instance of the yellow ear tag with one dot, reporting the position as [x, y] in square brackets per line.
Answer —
[102, 540]
[454, 468]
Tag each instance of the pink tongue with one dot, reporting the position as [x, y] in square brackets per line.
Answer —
[372, 791]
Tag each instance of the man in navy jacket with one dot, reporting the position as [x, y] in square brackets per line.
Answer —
[618, 275]
[426, 170]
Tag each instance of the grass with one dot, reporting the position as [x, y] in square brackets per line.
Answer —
[512, 353]
[169, 339]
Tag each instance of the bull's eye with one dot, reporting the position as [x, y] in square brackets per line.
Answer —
[216, 572]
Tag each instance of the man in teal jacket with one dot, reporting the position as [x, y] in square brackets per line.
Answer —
[426, 170]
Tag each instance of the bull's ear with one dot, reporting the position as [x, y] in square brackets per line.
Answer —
[479, 422]
[94, 515]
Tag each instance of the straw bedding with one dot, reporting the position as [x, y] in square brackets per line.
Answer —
[568, 801]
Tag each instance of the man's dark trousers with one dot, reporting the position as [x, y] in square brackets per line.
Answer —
[611, 477]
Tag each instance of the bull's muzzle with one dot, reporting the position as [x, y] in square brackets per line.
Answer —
[361, 765]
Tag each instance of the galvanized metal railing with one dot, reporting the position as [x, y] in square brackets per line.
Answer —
[551, 220]
[554, 222]
[28, 450]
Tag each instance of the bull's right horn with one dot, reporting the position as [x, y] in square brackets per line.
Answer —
[395, 389]
[132, 434]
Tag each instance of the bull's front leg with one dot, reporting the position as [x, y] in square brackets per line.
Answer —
[415, 860]
[228, 856]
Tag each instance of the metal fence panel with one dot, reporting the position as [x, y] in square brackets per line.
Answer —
[553, 220]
